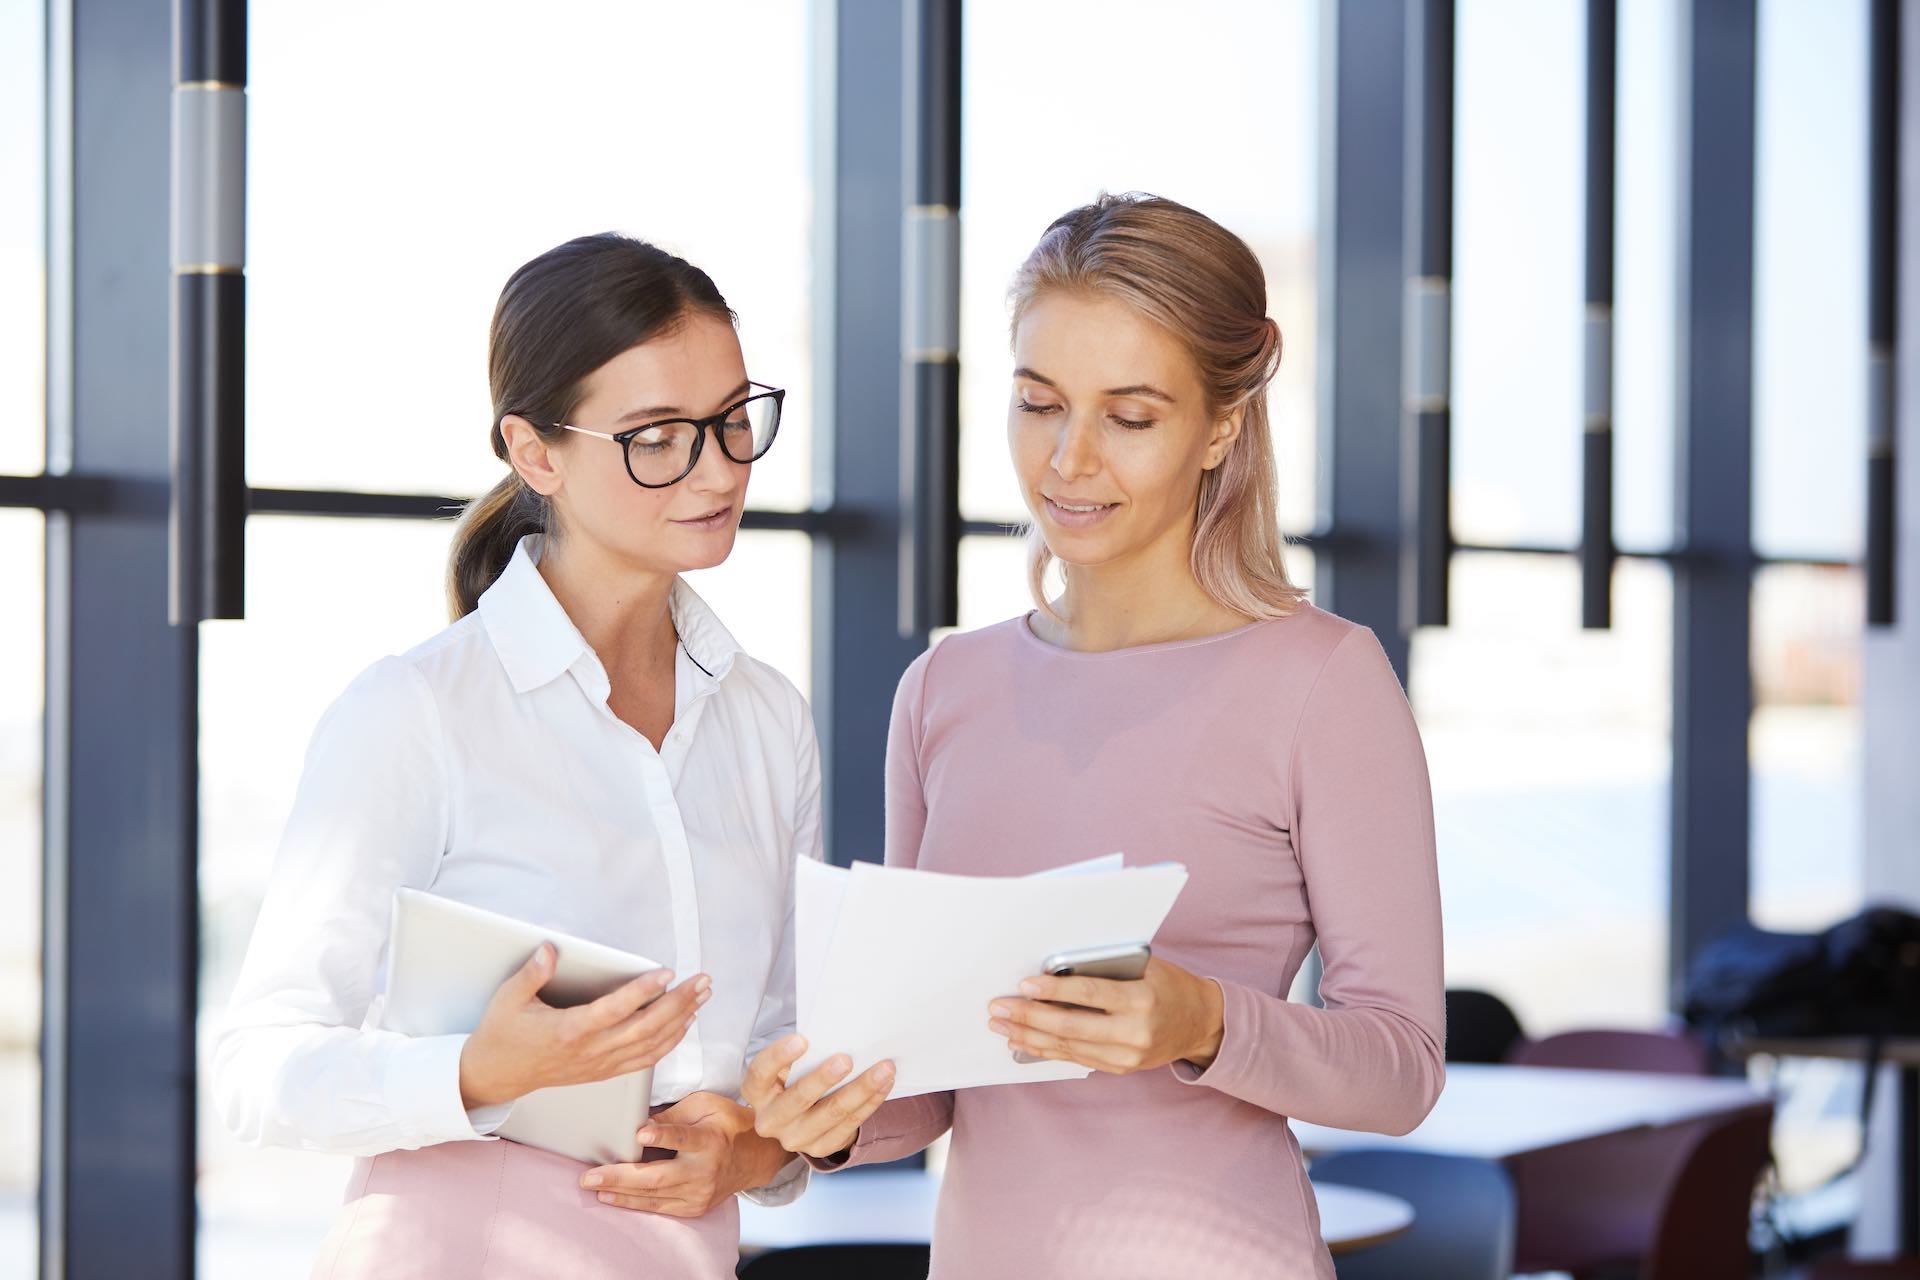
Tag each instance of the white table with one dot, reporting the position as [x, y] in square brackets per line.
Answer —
[1497, 1112]
[895, 1206]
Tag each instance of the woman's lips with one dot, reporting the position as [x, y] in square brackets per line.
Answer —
[1078, 515]
[716, 519]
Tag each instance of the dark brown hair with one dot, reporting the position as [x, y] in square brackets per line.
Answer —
[561, 317]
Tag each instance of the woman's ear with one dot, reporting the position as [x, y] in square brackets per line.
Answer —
[530, 454]
[1220, 443]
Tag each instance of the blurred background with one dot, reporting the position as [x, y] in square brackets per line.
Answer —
[402, 158]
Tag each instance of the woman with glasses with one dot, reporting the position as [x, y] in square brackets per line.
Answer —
[1177, 699]
[585, 748]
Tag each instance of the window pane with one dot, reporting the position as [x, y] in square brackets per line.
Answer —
[1807, 847]
[1810, 282]
[23, 257]
[22, 693]
[1550, 751]
[1518, 238]
[382, 223]
[1226, 126]
[1645, 259]
[325, 599]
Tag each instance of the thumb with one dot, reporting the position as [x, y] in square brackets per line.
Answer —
[526, 982]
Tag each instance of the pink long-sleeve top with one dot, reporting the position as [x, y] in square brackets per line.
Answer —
[1280, 763]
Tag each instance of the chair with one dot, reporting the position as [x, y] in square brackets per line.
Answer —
[1707, 1214]
[1480, 1027]
[1668, 1052]
[841, 1262]
[1463, 1215]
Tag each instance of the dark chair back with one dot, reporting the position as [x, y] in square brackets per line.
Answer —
[840, 1262]
[1463, 1215]
[1702, 1232]
[1480, 1027]
[1669, 1052]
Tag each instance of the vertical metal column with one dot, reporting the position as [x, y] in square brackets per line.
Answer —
[1597, 551]
[121, 942]
[1883, 264]
[1362, 274]
[1712, 689]
[208, 523]
[930, 320]
[1426, 476]
[858, 654]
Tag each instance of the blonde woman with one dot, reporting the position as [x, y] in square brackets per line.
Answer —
[1179, 699]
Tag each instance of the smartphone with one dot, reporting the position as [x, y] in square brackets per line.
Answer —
[1124, 963]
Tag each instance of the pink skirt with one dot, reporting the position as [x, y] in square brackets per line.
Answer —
[503, 1211]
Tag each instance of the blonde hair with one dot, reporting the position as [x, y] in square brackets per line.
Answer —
[1202, 284]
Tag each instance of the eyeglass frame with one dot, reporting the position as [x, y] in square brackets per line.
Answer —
[700, 428]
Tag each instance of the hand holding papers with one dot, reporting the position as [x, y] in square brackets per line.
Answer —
[901, 964]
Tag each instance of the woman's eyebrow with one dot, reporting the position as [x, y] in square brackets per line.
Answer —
[1144, 390]
[1141, 390]
[674, 410]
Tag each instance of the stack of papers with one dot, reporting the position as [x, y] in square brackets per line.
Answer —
[902, 964]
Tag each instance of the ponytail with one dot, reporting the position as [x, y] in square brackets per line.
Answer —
[484, 542]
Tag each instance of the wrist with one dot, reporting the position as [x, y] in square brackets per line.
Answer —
[476, 1089]
[1213, 1026]
[762, 1159]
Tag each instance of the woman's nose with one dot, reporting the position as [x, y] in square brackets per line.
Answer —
[1077, 452]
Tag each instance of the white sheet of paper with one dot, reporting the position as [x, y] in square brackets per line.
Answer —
[912, 958]
[818, 889]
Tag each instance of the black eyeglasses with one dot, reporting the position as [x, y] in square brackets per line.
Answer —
[664, 453]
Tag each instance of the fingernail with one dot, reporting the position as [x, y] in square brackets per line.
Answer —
[998, 1027]
[999, 1010]
[664, 977]
[840, 1064]
[795, 1044]
[643, 1138]
[885, 1074]
[606, 1197]
[703, 985]
[1029, 988]
[591, 1180]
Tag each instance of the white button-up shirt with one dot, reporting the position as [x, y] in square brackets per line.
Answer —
[486, 766]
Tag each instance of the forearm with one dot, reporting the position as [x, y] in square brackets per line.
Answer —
[1371, 1069]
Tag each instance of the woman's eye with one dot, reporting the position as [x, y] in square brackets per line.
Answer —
[1027, 406]
[1136, 424]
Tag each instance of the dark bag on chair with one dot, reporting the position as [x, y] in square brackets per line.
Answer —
[1859, 978]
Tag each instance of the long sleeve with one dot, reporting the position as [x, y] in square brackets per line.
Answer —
[777, 1005]
[293, 1066]
[902, 1127]
[1372, 1059]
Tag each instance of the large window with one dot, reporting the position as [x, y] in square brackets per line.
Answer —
[383, 222]
[23, 257]
[1549, 751]
[23, 589]
[1209, 103]
[1809, 451]
[23, 274]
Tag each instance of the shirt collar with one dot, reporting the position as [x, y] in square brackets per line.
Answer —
[537, 641]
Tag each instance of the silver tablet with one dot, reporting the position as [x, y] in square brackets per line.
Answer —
[445, 961]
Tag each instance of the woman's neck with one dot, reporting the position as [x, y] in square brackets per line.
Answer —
[625, 615]
[1151, 597]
